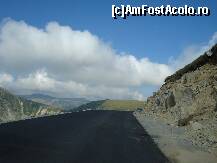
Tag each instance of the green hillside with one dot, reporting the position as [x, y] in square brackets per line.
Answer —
[120, 105]
[129, 105]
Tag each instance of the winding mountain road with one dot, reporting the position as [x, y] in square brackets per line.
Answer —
[81, 137]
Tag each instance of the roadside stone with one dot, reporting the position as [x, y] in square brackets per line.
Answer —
[184, 79]
[184, 121]
[196, 125]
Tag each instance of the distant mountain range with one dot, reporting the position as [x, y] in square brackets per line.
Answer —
[13, 107]
[65, 103]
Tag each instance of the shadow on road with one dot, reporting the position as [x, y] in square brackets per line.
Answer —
[81, 137]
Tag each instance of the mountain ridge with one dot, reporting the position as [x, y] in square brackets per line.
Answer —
[14, 108]
[66, 104]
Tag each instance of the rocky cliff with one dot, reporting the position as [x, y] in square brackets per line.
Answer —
[16, 108]
[189, 99]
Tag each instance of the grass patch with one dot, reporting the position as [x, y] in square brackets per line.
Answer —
[123, 105]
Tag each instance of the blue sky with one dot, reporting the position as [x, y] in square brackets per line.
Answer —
[155, 38]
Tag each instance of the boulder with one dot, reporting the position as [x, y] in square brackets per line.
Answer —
[196, 125]
[170, 101]
[185, 121]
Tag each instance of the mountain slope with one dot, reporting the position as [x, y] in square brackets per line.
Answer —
[189, 99]
[119, 105]
[15, 108]
[65, 103]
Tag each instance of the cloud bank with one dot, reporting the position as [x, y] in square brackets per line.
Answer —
[71, 62]
[61, 61]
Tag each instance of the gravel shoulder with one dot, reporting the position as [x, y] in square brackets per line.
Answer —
[174, 142]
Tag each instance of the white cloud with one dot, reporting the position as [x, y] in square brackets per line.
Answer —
[36, 81]
[66, 62]
[5, 79]
[192, 52]
[73, 62]
[213, 40]
[40, 81]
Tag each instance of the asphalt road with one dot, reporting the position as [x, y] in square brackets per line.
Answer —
[83, 137]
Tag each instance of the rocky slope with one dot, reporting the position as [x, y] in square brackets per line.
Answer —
[16, 108]
[188, 99]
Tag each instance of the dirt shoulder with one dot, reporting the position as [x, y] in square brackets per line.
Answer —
[174, 142]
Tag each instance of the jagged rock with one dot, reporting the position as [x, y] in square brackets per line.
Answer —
[170, 101]
[184, 79]
[157, 101]
[185, 121]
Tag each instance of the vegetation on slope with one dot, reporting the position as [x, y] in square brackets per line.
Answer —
[120, 105]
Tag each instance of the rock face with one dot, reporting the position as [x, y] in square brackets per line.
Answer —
[16, 108]
[189, 98]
